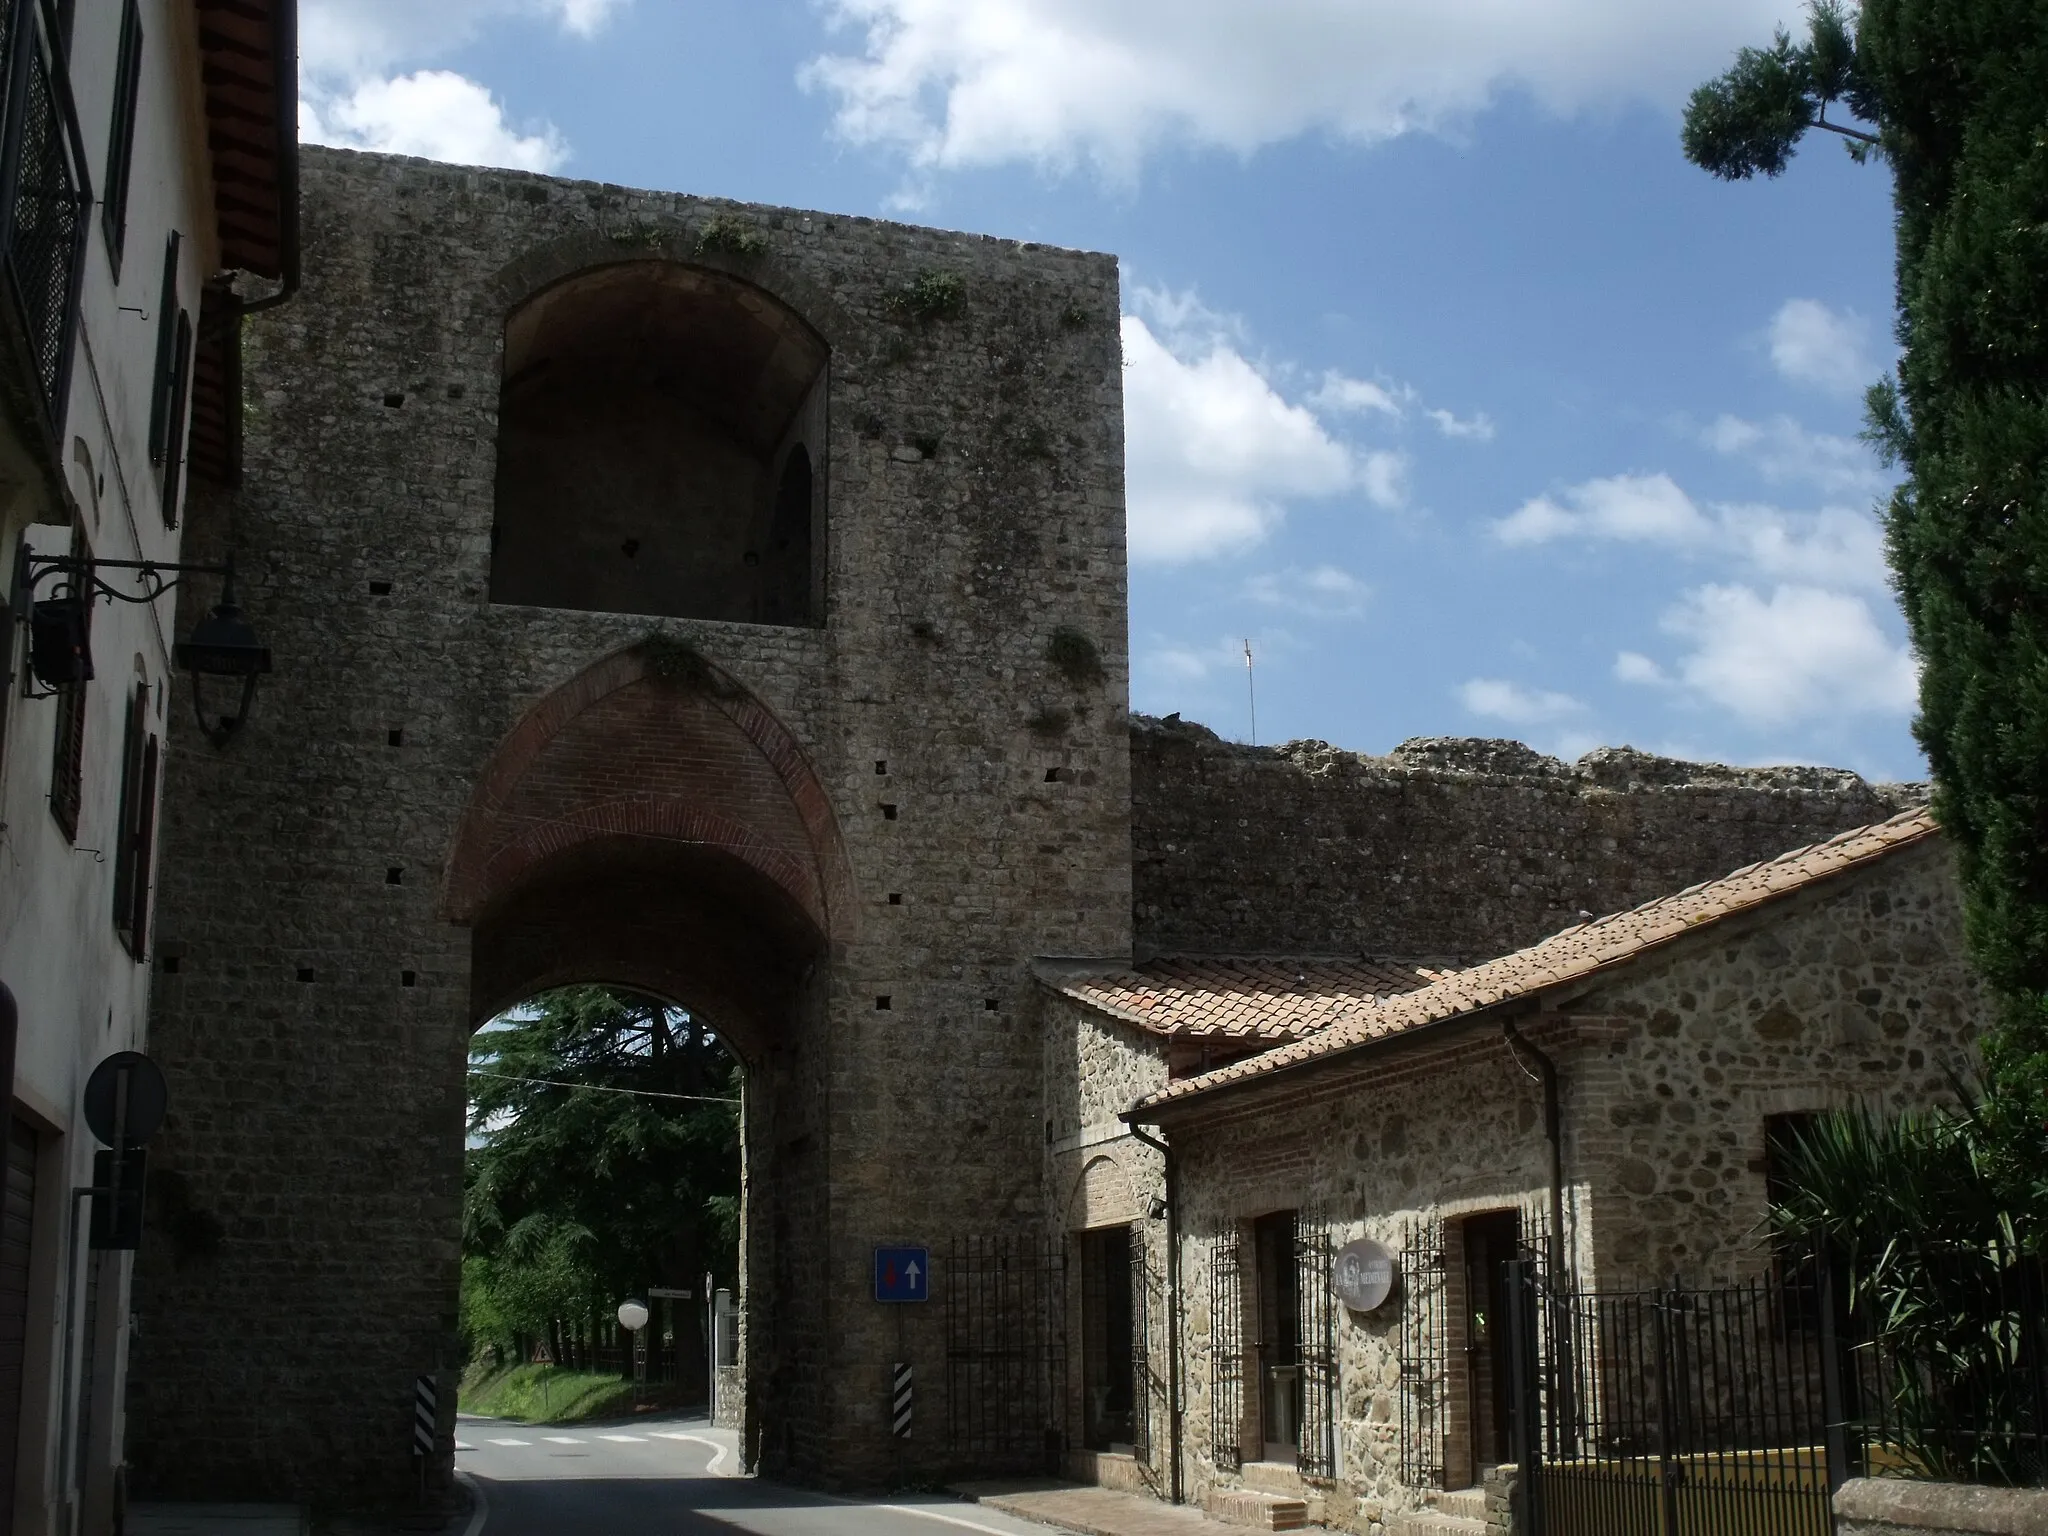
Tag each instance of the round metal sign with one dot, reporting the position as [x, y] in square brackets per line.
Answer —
[1364, 1275]
[146, 1098]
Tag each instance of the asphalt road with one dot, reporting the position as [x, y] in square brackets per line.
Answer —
[676, 1477]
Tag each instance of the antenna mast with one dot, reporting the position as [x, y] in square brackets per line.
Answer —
[1251, 691]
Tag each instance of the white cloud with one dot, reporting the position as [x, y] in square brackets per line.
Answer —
[1782, 451]
[1213, 450]
[350, 40]
[361, 87]
[1634, 508]
[1835, 545]
[1323, 591]
[1828, 349]
[1060, 82]
[1634, 667]
[1359, 397]
[1478, 428]
[1799, 654]
[432, 112]
[1496, 699]
[1383, 476]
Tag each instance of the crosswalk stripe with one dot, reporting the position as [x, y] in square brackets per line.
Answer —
[511, 1442]
[561, 1439]
[626, 1439]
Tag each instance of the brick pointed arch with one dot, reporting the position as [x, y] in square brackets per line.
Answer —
[620, 752]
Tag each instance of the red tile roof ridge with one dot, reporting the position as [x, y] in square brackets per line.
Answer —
[1577, 951]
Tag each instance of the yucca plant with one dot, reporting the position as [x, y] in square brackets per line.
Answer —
[1932, 1219]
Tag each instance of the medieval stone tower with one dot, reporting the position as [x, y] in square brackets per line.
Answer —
[720, 600]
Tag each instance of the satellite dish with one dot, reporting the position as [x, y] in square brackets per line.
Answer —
[146, 1098]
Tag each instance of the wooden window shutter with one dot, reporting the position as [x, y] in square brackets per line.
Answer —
[128, 852]
[121, 135]
[166, 352]
[181, 391]
[67, 763]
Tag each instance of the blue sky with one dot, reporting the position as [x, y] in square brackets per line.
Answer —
[1449, 384]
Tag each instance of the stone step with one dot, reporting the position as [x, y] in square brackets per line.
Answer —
[1272, 1477]
[1260, 1511]
[1469, 1502]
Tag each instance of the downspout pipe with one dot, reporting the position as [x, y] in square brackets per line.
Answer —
[1173, 1430]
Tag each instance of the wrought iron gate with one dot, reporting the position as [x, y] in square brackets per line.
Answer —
[1006, 1351]
[1226, 1354]
[1316, 1453]
[1425, 1355]
[1670, 1413]
[1145, 1288]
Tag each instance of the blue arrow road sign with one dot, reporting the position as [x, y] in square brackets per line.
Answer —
[903, 1274]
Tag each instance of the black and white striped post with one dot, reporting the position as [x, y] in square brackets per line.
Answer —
[426, 1415]
[900, 1395]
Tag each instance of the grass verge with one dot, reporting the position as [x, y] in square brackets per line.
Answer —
[545, 1394]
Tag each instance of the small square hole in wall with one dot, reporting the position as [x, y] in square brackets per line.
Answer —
[881, 765]
[988, 1005]
[380, 589]
[888, 812]
[394, 876]
[1052, 775]
[408, 978]
[394, 738]
[895, 898]
[170, 965]
[881, 1005]
[394, 401]
[455, 391]
[305, 973]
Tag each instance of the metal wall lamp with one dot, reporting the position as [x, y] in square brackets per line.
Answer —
[223, 647]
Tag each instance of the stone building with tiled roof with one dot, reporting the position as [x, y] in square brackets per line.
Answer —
[1607, 1100]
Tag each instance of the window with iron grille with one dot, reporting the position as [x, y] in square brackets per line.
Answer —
[137, 827]
[1316, 1348]
[1226, 1354]
[121, 136]
[1425, 1354]
[67, 763]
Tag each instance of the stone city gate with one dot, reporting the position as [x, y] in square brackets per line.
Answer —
[719, 600]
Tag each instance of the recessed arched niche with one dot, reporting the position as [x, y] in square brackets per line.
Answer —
[661, 437]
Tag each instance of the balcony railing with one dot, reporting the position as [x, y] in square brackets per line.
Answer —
[45, 198]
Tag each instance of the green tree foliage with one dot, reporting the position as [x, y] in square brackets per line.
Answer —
[1955, 91]
[577, 1193]
[1925, 1214]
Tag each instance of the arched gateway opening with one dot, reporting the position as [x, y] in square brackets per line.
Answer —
[651, 826]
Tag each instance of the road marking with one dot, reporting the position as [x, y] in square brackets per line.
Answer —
[511, 1442]
[933, 1514]
[561, 1439]
[710, 1445]
[464, 1445]
[626, 1439]
[483, 1505]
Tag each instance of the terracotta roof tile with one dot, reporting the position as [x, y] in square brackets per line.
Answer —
[1574, 954]
[1248, 999]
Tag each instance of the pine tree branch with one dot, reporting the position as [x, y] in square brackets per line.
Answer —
[1821, 121]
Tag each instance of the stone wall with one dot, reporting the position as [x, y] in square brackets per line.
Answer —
[1852, 990]
[1444, 848]
[1870, 1506]
[955, 804]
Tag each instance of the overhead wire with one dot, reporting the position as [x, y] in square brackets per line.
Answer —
[638, 1093]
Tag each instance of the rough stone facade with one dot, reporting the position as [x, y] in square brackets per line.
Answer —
[896, 806]
[1445, 848]
[1852, 990]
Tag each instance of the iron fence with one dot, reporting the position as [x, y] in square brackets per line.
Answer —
[1316, 1327]
[1006, 1354]
[1673, 1412]
[1226, 1354]
[1425, 1353]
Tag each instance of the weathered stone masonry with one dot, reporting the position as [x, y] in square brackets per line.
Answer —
[1443, 849]
[417, 821]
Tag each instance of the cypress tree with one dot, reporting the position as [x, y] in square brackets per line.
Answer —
[1953, 96]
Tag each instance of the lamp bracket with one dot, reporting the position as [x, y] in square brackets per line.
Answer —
[81, 576]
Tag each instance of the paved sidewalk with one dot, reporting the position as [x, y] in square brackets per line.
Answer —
[1091, 1511]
